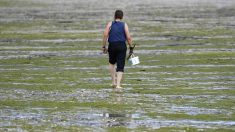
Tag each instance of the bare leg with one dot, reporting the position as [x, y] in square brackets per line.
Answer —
[119, 79]
[113, 74]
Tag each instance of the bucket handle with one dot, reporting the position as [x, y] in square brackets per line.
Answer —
[132, 56]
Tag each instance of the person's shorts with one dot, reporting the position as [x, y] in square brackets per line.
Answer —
[117, 54]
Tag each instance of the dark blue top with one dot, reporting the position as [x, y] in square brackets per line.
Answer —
[117, 32]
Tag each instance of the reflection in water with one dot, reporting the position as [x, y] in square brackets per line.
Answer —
[117, 95]
[119, 119]
[107, 115]
[116, 119]
[113, 118]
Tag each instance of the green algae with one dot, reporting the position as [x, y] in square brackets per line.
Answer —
[67, 105]
[178, 116]
[20, 3]
[47, 36]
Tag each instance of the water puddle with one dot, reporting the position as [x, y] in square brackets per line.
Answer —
[176, 66]
[65, 40]
[180, 123]
[54, 31]
[211, 83]
[157, 52]
[199, 78]
[95, 118]
[31, 54]
[22, 47]
[196, 111]
[80, 95]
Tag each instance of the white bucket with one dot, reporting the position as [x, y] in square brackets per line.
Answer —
[134, 60]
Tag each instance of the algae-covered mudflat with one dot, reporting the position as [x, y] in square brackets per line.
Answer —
[54, 77]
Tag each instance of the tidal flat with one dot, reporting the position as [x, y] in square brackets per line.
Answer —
[55, 78]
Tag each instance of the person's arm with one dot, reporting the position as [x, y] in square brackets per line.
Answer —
[128, 36]
[105, 35]
[129, 40]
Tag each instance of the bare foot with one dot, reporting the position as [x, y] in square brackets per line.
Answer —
[118, 87]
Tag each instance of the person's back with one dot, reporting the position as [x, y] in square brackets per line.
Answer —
[117, 32]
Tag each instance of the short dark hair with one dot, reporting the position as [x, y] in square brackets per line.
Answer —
[118, 14]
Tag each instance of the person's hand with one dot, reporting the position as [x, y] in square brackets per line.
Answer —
[131, 49]
[105, 50]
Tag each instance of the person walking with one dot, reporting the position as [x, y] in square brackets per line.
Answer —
[117, 33]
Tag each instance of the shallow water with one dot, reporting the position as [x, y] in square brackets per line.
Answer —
[54, 77]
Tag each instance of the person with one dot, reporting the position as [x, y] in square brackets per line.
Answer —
[117, 33]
